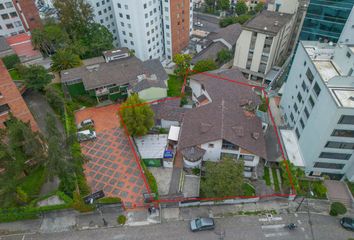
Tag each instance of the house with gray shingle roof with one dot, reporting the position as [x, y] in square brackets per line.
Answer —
[115, 77]
[224, 124]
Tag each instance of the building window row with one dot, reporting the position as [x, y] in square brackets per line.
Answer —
[337, 166]
[331, 155]
[340, 145]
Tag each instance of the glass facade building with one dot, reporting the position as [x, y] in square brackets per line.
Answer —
[325, 19]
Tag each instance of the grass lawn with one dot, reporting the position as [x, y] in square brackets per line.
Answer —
[266, 176]
[174, 86]
[276, 180]
[318, 189]
[14, 74]
[32, 183]
[248, 189]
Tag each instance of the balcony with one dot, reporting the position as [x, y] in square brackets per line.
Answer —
[101, 91]
[4, 109]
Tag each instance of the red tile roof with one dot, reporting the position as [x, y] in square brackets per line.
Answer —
[22, 45]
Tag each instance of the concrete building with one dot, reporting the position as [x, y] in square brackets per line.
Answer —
[318, 105]
[104, 14]
[11, 101]
[347, 35]
[177, 25]
[18, 17]
[140, 27]
[263, 43]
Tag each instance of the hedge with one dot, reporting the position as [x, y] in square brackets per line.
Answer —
[150, 178]
[32, 211]
[10, 61]
[109, 200]
[337, 208]
[121, 219]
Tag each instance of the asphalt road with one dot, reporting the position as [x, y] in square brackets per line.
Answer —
[210, 23]
[243, 228]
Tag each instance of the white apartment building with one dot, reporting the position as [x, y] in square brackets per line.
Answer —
[263, 43]
[10, 21]
[318, 105]
[139, 24]
[104, 15]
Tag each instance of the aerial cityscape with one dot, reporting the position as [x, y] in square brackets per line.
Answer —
[177, 119]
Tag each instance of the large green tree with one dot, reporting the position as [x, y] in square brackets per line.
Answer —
[291, 174]
[36, 77]
[223, 4]
[183, 62]
[138, 117]
[241, 7]
[205, 65]
[259, 7]
[224, 178]
[224, 56]
[74, 15]
[65, 59]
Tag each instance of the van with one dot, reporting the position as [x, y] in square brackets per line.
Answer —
[86, 135]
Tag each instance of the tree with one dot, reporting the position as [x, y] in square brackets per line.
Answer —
[223, 4]
[183, 62]
[97, 39]
[74, 15]
[56, 161]
[291, 177]
[259, 7]
[36, 77]
[241, 7]
[205, 65]
[223, 179]
[210, 4]
[224, 56]
[65, 59]
[138, 117]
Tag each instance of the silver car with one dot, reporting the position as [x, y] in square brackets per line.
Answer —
[200, 224]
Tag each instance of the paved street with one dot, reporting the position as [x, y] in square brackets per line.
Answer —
[246, 227]
[210, 23]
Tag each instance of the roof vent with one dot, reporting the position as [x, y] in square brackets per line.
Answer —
[276, 23]
[255, 135]
[265, 28]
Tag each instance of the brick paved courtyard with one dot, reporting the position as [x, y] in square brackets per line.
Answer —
[111, 164]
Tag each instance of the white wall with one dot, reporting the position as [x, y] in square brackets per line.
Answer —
[213, 150]
[242, 49]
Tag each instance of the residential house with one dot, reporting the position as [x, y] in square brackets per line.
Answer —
[223, 123]
[116, 76]
[225, 39]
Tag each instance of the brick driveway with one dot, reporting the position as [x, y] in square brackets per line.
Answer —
[111, 165]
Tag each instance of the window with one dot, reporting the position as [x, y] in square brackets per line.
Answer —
[13, 14]
[346, 119]
[9, 5]
[307, 114]
[302, 123]
[295, 107]
[210, 145]
[247, 157]
[119, 6]
[229, 146]
[304, 63]
[309, 75]
[317, 89]
[9, 26]
[128, 16]
[292, 117]
[299, 97]
[18, 24]
[312, 103]
[121, 15]
[343, 133]
[5, 16]
[2, 6]
[340, 156]
[5, 108]
[341, 145]
[297, 133]
[328, 165]
[348, 55]
[303, 85]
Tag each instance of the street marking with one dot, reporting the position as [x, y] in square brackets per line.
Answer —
[23, 238]
[296, 215]
[303, 229]
[276, 234]
[270, 219]
[299, 221]
[273, 226]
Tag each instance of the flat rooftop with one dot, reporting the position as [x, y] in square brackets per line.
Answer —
[151, 146]
[343, 96]
[326, 69]
[292, 147]
[351, 48]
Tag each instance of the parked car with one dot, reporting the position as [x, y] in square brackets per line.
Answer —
[86, 135]
[200, 224]
[347, 223]
[86, 123]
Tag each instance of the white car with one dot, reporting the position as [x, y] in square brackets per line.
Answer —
[86, 123]
[86, 135]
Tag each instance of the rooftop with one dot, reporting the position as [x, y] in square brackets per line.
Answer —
[268, 21]
[151, 146]
[292, 147]
[231, 120]
[119, 72]
[21, 44]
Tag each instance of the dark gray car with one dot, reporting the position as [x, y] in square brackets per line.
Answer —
[347, 223]
[200, 224]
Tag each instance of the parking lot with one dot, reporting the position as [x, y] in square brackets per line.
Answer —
[111, 166]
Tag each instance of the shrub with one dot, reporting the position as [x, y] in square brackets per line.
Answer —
[109, 200]
[150, 178]
[10, 61]
[196, 171]
[266, 176]
[337, 208]
[79, 204]
[121, 219]
[55, 99]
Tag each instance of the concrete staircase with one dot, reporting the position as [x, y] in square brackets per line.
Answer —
[338, 192]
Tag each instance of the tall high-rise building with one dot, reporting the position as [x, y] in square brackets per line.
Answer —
[178, 20]
[18, 17]
[104, 15]
[325, 19]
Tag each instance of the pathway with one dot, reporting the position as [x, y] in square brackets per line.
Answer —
[338, 192]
